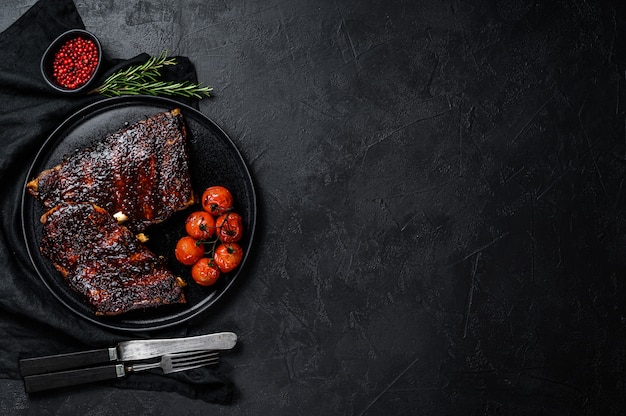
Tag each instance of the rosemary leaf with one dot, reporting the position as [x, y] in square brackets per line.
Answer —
[144, 79]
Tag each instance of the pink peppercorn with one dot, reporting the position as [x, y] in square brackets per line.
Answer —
[75, 62]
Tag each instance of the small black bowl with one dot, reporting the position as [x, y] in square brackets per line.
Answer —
[49, 56]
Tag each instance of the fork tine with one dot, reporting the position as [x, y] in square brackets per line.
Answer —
[196, 364]
[192, 356]
[193, 353]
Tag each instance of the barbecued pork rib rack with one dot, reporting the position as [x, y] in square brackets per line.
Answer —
[141, 172]
[104, 261]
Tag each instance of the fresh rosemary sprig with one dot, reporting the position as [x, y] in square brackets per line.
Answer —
[143, 79]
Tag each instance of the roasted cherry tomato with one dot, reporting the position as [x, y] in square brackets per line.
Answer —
[230, 227]
[200, 225]
[217, 200]
[188, 251]
[205, 272]
[228, 256]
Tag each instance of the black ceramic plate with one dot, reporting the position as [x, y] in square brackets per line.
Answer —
[214, 160]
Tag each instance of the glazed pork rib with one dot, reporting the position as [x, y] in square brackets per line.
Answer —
[141, 172]
[104, 262]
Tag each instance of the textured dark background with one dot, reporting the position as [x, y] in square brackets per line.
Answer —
[441, 191]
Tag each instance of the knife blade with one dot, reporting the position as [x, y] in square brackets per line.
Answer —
[126, 351]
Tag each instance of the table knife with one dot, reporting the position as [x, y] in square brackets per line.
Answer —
[127, 351]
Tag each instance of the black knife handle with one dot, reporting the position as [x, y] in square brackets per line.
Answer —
[49, 381]
[51, 363]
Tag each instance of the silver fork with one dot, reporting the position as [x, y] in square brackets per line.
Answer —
[173, 363]
[169, 363]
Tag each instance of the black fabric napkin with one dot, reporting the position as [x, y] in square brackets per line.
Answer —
[32, 321]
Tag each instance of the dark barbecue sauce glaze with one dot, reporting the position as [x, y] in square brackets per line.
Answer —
[141, 171]
[104, 261]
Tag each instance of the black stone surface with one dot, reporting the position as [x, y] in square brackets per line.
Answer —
[441, 191]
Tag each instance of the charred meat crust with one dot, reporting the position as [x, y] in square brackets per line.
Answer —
[141, 171]
[104, 262]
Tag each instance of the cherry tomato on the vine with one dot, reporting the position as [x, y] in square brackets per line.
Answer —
[228, 256]
[205, 272]
[230, 227]
[217, 200]
[218, 225]
[200, 225]
[188, 250]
